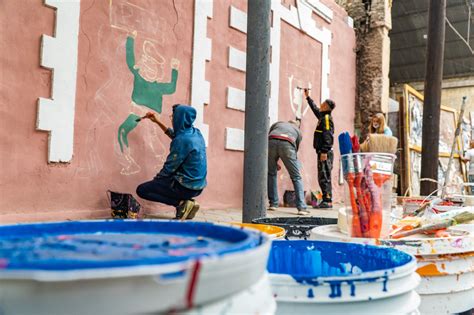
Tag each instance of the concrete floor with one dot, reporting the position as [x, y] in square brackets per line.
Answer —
[235, 215]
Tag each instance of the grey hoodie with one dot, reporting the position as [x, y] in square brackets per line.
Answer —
[286, 131]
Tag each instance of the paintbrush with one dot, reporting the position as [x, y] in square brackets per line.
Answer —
[345, 147]
[362, 201]
[139, 119]
[463, 217]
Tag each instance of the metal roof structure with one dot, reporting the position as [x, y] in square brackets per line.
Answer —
[409, 37]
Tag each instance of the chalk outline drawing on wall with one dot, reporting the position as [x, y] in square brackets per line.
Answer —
[299, 17]
[59, 53]
[145, 93]
[297, 97]
[139, 20]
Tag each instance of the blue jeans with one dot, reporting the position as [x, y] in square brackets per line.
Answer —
[166, 190]
[284, 150]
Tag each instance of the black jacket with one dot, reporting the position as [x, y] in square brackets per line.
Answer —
[324, 133]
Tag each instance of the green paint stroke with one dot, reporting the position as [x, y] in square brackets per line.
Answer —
[149, 94]
[128, 125]
[145, 93]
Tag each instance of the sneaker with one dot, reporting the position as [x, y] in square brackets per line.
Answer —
[193, 211]
[188, 208]
[271, 208]
[183, 209]
[303, 212]
[325, 205]
[180, 209]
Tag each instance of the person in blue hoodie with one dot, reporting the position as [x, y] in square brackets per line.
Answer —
[183, 176]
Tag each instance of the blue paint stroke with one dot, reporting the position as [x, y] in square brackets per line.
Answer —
[112, 243]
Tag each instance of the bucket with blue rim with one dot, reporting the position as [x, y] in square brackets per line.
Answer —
[129, 267]
[316, 277]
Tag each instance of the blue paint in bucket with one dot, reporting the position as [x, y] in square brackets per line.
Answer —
[316, 263]
[111, 243]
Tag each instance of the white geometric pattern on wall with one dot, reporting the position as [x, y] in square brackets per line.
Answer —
[202, 52]
[59, 53]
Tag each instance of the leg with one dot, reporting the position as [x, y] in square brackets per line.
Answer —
[128, 125]
[159, 190]
[290, 159]
[471, 181]
[324, 176]
[272, 184]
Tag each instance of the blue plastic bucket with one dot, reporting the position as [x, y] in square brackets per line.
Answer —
[127, 267]
[310, 277]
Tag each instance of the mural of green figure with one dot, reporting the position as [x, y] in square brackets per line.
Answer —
[145, 93]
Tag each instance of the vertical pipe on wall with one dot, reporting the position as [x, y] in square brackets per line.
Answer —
[432, 103]
[257, 93]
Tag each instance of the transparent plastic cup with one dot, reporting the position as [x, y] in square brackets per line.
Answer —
[368, 193]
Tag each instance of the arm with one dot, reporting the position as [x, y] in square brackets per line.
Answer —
[173, 161]
[130, 53]
[168, 131]
[313, 107]
[170, 87]
[298, 140]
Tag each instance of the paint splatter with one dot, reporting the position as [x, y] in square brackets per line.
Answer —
[310, 293]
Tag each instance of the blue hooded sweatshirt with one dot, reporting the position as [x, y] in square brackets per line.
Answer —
[187, 161]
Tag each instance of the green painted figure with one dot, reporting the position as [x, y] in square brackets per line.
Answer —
[145, 93]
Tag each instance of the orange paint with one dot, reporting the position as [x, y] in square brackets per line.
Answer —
[429, 270]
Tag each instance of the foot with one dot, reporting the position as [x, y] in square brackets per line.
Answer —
[184, 209]
[272, 208]
[303, 212]
[194, 210]
[325, 205]
[180, 209]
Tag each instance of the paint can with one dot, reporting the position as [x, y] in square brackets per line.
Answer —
[296, 228]
[446, 265]
[126, 267]
[274, 232]
[316, 277]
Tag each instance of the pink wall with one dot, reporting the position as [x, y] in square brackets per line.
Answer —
[32, 189]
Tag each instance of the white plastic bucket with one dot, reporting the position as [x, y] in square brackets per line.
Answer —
[311, 277]
[197, 274]
[446, 265]
[258, 299]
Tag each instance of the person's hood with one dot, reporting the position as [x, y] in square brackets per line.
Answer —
[183, 118]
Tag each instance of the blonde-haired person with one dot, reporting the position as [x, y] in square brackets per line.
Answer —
[378, 125]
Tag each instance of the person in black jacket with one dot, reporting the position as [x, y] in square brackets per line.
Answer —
[323, 142]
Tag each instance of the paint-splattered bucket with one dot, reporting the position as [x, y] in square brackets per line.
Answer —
[126, 267]
[274, 232]
[446, 265]
[296, 228]
[314, 277]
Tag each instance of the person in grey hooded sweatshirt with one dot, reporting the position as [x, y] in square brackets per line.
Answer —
[283, 143]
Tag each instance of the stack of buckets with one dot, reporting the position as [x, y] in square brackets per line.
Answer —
[133, 267]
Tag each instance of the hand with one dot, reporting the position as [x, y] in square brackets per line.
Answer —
[323, 156]
[306, 92]
[278, 167]
[174, 63]
[152, 117]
